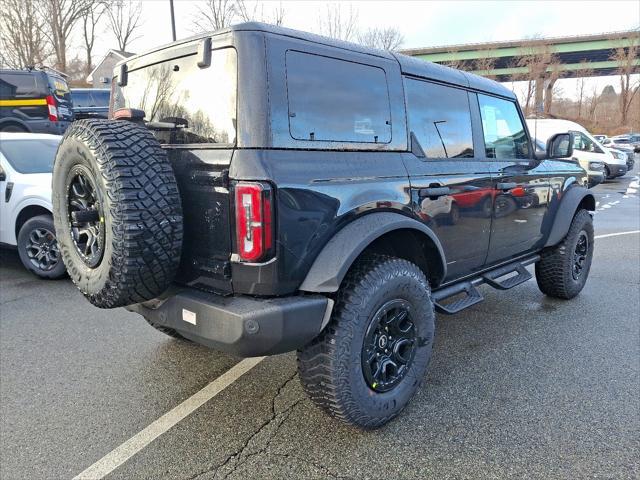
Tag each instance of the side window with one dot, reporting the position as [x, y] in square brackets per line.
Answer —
[337, 100]
[439, 116]
[584, 144]
[504, 133]
[17, 85]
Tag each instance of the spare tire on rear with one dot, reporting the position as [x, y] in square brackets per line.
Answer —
[117, 212]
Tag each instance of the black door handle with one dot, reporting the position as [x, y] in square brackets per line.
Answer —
[434, 192]
[506, 185]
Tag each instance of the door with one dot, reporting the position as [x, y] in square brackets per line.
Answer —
[521, 186]
[451, 186]
[587, 151]
[4, 211]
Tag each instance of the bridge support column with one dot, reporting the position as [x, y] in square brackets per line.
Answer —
[539, 96]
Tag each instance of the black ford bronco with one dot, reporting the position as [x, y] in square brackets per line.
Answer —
[259, 190]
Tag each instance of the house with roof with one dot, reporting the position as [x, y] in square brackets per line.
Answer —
[100, 76]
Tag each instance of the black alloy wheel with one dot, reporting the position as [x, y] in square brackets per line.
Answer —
[42, 249]
[389, 346]
[85, 216]
[580, 255]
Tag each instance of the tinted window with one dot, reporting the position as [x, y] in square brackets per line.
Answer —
[30, 156]
[179, 89]
[59, 88]
[336, 100]
[100, 98]
[81, 99]
[504, 134]
[14, 85]
[439, 117]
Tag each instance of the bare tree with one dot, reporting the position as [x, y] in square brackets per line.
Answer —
[125, 18]
[336, 23]
[593, 102]
[61, 17]
[22, 38]
[257, 13]
[541, 65]
[215, 15]
[626, 57]
[388, 38]
[90, 21]
[585, 72]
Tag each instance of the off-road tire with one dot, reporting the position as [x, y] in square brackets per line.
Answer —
[141, 211]
[554, 269]
[330, 366]
[43, 223]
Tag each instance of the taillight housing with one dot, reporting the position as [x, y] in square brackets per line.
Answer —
[53, 109]
[254, 221]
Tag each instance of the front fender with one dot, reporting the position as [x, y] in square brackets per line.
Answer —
[335, 259]
[568, 205]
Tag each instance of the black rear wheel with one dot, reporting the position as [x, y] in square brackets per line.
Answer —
[372, 357]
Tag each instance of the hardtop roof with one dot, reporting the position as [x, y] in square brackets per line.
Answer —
[408, 65]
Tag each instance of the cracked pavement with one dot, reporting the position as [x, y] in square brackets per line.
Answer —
[519, 386]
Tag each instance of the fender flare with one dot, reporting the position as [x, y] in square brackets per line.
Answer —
[335, 259]
[566, 210]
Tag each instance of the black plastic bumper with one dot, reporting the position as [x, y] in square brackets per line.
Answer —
[241, 325]
[595, 180]
[617, 170]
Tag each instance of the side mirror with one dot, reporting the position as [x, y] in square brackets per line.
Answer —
[3, 176]
[560, 145]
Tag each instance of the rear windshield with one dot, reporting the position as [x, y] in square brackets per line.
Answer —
[90, 98]
[178, 91]
[59, 88]
[30, 156]
[18, 85]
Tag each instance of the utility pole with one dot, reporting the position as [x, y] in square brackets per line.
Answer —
[173, 21]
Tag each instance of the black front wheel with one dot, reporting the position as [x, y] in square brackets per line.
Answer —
[372, 357]
[38, 248]
[563, 269]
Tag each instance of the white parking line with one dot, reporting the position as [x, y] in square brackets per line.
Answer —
[616, 234]
[128, 449]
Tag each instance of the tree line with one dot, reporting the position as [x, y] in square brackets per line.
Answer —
[35, 32]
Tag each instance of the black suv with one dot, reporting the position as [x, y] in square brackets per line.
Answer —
[259, 190]
[34, 100]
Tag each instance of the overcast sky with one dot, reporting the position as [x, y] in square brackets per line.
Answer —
[423, 23]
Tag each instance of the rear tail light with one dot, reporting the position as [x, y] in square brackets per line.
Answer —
[53, 109]
[254, 216]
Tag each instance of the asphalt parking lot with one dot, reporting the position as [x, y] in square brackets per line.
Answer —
[519, 386]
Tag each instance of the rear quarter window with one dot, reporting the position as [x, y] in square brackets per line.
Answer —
[18, 85]
[336, 100]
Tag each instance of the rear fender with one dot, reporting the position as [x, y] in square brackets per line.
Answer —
[333, 262]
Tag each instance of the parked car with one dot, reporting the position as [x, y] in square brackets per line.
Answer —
[90, 102]
[598, 161]
[259, 217]
[26, 162]
[601, 138]
[34, 100]
[631, 140]
[626, 149]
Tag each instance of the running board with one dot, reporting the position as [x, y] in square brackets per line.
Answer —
[492, 278]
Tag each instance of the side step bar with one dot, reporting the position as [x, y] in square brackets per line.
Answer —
[491, 278]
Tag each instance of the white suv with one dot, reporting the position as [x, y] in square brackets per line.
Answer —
[26, 162]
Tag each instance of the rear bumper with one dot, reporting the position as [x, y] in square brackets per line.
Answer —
[241, 325]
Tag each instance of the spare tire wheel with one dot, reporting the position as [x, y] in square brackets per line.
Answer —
[117, 212]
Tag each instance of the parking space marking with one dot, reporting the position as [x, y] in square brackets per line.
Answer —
[140, 440]
[616, 234]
